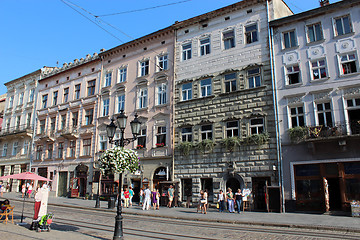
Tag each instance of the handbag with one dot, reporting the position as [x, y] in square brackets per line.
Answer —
[217, 205]
[202, 200]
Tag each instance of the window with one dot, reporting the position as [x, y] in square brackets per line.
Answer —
[103, 143]
[205, 87]
[161, 94]
[122, 74]
[186, 51]
[91, 88]
[52, 124]
[108, 77]
[324, 114]
[120, 102]
[232, 129]
[105, 110]
[15, 148]
[21, 98]
[342, 25]
[318, 69]
[186, 91]
[314, 32]
[206, 132]
[204, 46]
[55, 97]
[251, 34]
[75, 117]
[256, 126]
[28, 120]
[230, 82]
[142, 98]
[42, 126]
[72, 148]
[161, 136]
[348, 63]
[354, 102]
[163, 62]
[144, 68]
[60, 150]
[8, 124]
[289, 39]
[11, 101]
[18, 119]
[77, 91]
[297, 117]
[293, 74]
[141, 140]
[25, 147]
[89, 115]
[63, 122]
[44, 101]
[38, 152]
[186, 134]
[254, 78]
[229, 39]
[86, 147]
[66, 95]
[31, 95]
[4, 152]
[50, 151]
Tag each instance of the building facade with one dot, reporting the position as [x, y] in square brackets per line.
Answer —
[224, 119]
[137, 78]
[17, 126]
[317, 81]
[65, 127]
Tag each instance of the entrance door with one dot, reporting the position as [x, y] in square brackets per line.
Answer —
[232, 183]
[82, 187]
[62, 187]
[136, 189]
[334, 194]
[259, 192]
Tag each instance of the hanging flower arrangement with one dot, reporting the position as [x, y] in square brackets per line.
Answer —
[118, 160]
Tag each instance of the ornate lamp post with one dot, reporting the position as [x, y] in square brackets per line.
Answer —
[110, 130]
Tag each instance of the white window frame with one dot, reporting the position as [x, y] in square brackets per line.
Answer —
[205, 46]
[161, 131]
[186, 93]
[186, 49]
[11, 102]
[122, 74]
[60, 150]
[141, 136]
[144, 67]
[88, 120]
[72, 148]
[105, 107]
[294, 69]
[4, 152]
[161, 94]
[297, 115]
[162, 62]
[254, 77]
[31, 95]
[232, 129]
[39, 149]
[120, 102]
[252, 35]
[186, 136]
[287, 34]
[77, 89]
[347, 61]
[316, 67]
[15, 148]
[107, 80]
[142, 98]
[323, 112]
[229, 41]
[25, 149]
[205, 87]
[256, 128]
[311, 30]
[336, 30]
[21, 98]
[44, 100]
[66, 95]
[102, 143]
[230, 81]
[55, 97]
[206, 134]
[86, 148]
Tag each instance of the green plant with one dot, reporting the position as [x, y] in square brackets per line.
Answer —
[297, 134]
[206, 145]
[185, 147]
[231, 142]
[257, 139]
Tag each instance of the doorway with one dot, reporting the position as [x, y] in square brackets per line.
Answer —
[136, 188]
[62, 187]
[232, 183]
[334, 196]
[259, 185]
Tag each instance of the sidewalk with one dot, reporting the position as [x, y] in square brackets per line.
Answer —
[297, 220]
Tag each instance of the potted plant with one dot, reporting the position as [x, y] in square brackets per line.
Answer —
[185, 147]
[206, 145]
[231, 142]
[160, 144]
[257, 139]
[139, 146]
[298, 134]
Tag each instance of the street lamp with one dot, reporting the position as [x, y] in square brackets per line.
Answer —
[110, 130]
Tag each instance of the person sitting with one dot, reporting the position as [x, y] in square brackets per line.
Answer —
[4, 205]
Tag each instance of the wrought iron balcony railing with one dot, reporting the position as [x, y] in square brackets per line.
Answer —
[17, 129]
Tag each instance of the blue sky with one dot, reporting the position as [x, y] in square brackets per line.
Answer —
[41, 33]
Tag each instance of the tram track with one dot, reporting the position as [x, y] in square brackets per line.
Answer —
[188, 223]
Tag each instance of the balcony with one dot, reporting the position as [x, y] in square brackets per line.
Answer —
[48, 136]
[23, 130]
[338, 131]
[69, 133]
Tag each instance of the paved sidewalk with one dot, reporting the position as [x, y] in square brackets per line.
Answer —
[298, 220]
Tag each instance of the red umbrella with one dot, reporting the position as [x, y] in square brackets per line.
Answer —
[25, 176]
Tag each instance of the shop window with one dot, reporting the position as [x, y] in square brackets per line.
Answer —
[352, 189]
[307, 170]
[352, 168]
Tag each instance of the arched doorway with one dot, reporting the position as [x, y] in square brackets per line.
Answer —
[81, 173]
[233, 183]
[160, 175]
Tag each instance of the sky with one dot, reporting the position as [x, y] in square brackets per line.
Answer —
[37, 33]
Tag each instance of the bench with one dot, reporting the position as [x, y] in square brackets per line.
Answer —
[9, 211]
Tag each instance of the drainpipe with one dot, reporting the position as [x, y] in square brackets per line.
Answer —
[276, 111]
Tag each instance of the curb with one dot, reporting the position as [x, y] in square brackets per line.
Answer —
[266, 224]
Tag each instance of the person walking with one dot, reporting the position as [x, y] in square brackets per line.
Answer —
[170, 195]
[131, 191]
[202, 202]
[238, 199]
[127, 198]
[157, 199]
[147, 198]
[29, 190]
[221, 200]
[153, 199]
[141, 195]
[23, 190]
[206, 195]
[230, 200]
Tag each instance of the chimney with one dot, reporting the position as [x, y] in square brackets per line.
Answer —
[324, 3]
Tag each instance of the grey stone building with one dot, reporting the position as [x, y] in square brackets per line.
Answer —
[224, 115]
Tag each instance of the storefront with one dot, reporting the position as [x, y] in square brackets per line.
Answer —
[327, 186]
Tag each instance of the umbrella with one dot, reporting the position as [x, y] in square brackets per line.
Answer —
[25, 176]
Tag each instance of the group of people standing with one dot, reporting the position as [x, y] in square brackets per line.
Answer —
[148, 197]
[231, 199]
[26, 189]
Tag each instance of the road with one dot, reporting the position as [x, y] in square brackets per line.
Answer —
[75, 223]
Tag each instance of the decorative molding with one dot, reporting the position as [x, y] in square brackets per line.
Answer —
[345, 45]
[291, 58]
[316, 52]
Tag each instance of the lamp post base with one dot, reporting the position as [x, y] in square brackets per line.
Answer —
[118, 232]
